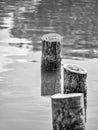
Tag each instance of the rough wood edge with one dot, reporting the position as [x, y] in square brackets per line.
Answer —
[52, 37]
[75, 68]
[62, 96]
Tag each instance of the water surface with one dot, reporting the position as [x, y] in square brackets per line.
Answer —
[22, 24]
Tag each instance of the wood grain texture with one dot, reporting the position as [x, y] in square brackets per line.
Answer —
[68, 112]
[75, 81]
[51, 52]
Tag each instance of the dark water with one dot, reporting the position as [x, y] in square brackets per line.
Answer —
[22, 24]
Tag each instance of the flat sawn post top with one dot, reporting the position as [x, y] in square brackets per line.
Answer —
[75, 68]
[52, 37]
[64, 96]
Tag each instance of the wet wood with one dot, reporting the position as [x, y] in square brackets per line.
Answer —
[50, 82]
[75, 81]
[51, 52]
[68, 112]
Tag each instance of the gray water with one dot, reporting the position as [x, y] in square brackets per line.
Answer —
[22, 24]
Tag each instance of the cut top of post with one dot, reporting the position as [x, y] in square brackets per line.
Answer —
[52, 37]
[75, 68]
[62, 96]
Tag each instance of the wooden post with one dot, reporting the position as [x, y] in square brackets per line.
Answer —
[68, 112]
[51, 57]
[75, 81]
[50, 82]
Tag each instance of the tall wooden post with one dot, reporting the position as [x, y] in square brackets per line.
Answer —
[51, 57]
[68, 112]
[50, 82]
[75, 81]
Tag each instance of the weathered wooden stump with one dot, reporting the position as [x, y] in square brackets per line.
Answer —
[50, 82]
[75, 81]
[51, 52]
[68, 112]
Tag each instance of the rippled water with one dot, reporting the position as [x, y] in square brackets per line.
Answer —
[22, 24]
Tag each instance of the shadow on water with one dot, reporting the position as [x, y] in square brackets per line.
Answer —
[50, 82]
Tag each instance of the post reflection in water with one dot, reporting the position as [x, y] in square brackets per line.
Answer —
[22, 24]
[50, 82]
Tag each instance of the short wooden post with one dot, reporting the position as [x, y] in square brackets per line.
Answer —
[75, 81]
[51, 52]
[50, 82]
[68, 112]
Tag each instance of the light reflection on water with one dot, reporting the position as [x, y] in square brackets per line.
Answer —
[22, 24]
[76, 21]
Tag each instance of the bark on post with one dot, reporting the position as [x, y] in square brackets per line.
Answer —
[75, 81]
[50, 82]
[68, 112]
[51, 57]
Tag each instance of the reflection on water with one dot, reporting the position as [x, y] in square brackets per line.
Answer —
[50, 82]
[9, 51]
[22, 24]
[76, 21]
